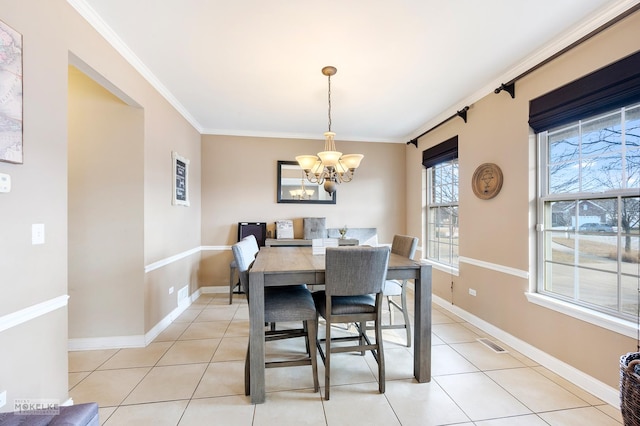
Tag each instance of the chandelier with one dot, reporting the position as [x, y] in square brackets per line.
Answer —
[329, 166]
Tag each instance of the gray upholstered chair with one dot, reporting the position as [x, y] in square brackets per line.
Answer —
[233, 267]
[281, 304]
[353, 294]
[402, 245]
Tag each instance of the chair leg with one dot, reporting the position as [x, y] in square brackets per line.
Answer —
[311, 326]
[390, 306]
[307, 337]
[405, 313]
[247, 374]
[232, 284]
[381, 377]
[327, 360]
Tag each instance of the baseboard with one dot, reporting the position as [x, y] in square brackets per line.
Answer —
[135, 341]
[214, 289]
[108, 342]
[595, 387]
[167, 320]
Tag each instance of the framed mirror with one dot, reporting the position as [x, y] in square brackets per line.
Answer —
[293, 186]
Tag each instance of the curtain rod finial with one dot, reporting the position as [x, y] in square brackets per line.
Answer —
[414, 142]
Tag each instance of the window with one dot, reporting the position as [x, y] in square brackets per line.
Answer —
[442, 216]
[441, 162]
[589, 206]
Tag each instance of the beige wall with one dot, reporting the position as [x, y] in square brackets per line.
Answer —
[239, 185]
[236, 177]
[500, 231]
[33, 360]
[106, 201]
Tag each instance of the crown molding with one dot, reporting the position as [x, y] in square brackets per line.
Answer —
[92, 17]
[592, 23]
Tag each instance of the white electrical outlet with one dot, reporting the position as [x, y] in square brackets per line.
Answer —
[3, 398]
[37, 233]
[171, 290]
[5, 182]
[472, 291]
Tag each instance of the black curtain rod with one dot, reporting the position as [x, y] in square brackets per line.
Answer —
[510, 87]
[462, 114]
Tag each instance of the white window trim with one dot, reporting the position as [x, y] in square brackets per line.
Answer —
[613, 323]
[445, 267]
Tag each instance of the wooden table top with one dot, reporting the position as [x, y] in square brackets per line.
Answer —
[301, 259]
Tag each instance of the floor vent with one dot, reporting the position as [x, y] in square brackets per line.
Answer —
[491, 345]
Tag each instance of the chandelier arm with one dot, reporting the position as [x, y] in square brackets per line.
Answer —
[336, 176]
[313, 178]
[348, 175]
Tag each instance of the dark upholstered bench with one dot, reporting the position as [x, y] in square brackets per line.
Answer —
[81, 415]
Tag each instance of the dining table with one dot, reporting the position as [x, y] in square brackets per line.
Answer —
[281, 266]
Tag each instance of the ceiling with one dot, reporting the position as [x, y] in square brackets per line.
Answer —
[253, 67]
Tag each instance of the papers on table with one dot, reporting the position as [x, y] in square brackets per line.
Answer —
[319, 245]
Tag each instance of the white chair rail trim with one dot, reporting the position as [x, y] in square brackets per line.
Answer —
[168, 260]
[215, 248]
[34, 311]
[495, 267]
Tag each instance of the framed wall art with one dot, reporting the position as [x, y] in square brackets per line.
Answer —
[10, 95]
[180, 180]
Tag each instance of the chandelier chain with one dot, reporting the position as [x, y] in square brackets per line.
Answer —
[329, 92]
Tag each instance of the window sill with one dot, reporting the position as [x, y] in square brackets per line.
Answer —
[617, 325]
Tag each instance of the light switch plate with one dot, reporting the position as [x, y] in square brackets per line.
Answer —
[5, 182]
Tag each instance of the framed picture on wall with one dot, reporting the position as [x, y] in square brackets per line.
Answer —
[10, 95]
[180, 180]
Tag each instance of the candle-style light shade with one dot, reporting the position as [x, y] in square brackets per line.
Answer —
[306, 162]
[351, 161]
[329, 158]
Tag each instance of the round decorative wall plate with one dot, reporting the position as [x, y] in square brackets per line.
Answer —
[487, 181]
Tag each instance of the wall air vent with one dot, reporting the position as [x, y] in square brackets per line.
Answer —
[183, 293]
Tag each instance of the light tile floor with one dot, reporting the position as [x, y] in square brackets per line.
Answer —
[192, 374]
